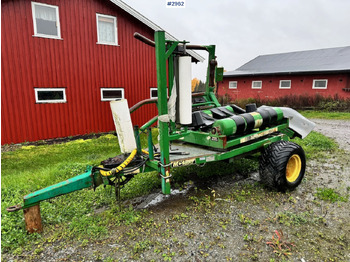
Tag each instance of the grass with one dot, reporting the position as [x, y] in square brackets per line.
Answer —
[329, 194]
[317, 145]
[326, 115]
[34, 167]
[74, 216]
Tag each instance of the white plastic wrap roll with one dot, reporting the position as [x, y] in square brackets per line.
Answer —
[185, 92]
[123, 125]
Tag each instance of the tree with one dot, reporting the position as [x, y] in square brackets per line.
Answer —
[200, 87]
[194, 83]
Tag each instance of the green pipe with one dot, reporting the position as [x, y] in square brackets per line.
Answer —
[149, 123]
[204, 104]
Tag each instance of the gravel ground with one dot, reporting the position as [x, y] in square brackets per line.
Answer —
[336, 129]
[232, 219]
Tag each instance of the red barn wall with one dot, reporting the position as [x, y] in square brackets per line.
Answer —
[77, 63]
[300, 85]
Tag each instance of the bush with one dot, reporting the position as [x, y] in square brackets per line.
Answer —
[304, 101]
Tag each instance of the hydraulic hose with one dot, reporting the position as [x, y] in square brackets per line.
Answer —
[145, 152]
[121, 166]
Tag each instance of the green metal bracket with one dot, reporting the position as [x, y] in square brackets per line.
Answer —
[219, 74]
[242, 149]
[288, 132]
[209, 90]
[171, 49]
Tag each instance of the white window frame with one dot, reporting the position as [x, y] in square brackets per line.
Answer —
[234, 83]
[314, 82]
[36, 90]
[36, 34]
[257, 81]
[115, 28]
[290, 84]
[152, 89]
[112, 89]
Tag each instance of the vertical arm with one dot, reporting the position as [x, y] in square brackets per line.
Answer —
[209, 87]
[159, 38]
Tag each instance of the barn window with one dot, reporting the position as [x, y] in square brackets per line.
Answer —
[111, 94]
[50, 95]
[46, 20]
[319, 84]
[154, 92]
[232, 85]
[106, 29]
[285, 84]
[256, 84]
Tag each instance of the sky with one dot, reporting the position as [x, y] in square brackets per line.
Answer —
[245, 29]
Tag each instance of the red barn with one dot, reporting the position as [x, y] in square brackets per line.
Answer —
[62, 61]
[325, 72]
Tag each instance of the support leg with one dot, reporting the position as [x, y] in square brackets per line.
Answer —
[32, 219]
[166, 184]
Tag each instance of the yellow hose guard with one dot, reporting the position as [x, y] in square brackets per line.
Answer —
[121, 166]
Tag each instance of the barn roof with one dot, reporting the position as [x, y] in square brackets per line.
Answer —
[152, 25]
[313, 61]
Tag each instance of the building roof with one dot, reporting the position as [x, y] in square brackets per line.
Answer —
[152, 25]
[312, 61]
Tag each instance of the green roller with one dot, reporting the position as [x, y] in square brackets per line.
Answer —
[225, 126]
[242, 123]
[257, 118]
[279, 113]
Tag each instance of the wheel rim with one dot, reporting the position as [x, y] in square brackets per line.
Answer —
[293, 168]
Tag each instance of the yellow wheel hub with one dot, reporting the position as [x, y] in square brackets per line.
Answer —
[293, 168]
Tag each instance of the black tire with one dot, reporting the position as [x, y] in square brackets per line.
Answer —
[273, 165]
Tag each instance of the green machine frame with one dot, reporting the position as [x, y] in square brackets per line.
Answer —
[168, 132]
